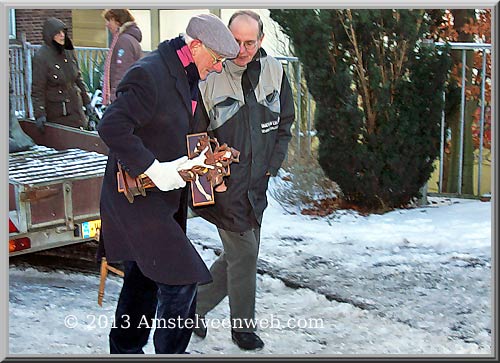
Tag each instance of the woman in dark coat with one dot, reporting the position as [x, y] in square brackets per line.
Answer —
[58, 91]
[125, 49]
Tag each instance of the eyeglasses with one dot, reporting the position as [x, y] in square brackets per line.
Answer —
[214, 57]
[248, 44]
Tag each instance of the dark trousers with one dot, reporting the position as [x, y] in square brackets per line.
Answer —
[140, 298]
[234, 275]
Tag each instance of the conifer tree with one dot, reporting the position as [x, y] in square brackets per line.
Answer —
[378, 97]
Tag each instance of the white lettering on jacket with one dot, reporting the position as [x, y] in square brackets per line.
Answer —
[270, 126]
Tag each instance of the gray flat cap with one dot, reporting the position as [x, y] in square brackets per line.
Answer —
[212, 32]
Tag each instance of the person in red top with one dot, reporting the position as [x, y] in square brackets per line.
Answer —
[125, 49]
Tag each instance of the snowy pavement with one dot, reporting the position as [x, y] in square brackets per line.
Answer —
[412, 281]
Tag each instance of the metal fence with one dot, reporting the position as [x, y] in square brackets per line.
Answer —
[465, 47]
[301, 129]
[21, 75]
[20, 61]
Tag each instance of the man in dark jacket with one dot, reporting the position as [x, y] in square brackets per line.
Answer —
[250, 107]
[58, 91]
[145, 129]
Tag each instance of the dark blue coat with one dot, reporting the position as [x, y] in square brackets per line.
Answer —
[149, 120]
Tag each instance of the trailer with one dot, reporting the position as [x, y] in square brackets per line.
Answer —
[54, 188]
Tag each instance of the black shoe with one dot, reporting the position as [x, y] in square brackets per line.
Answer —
[247, 340]
[201, 328]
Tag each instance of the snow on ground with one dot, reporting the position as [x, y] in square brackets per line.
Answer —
[412, 281]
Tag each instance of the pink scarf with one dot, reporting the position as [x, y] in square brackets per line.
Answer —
[106, 88]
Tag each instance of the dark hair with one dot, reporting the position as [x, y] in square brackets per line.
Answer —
[120, 15]
[251, 14]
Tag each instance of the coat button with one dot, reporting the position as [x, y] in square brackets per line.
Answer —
[55, 76]
[60, 91]
[57, 66]
[65, 60]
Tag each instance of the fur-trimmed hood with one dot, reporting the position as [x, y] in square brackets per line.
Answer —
[131, 28]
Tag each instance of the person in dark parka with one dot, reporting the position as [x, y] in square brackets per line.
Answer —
[145, 129]
[58, 91]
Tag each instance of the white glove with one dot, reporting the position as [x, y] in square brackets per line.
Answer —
[165, 175]
[196, 161]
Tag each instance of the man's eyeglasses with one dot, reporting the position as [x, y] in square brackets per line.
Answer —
[248, 44]
[214, 57]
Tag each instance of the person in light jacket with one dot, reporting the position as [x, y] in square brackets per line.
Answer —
[249, 105]
[58, 91]
[125, 50]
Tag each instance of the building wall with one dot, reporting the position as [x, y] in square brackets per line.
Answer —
[174, 22]
[486, 174]
[89, 28]
[86, 27]
[30, 22]
[143, 21]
